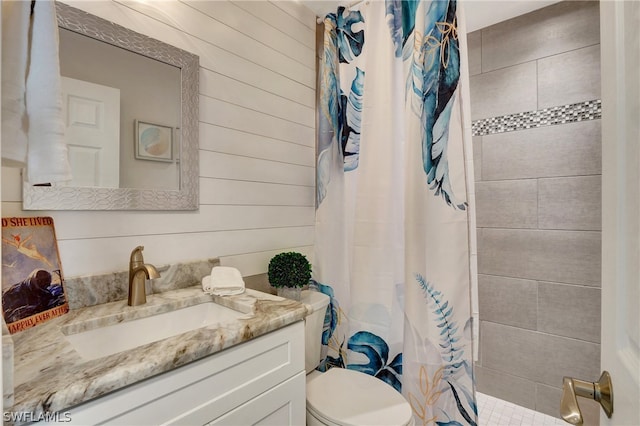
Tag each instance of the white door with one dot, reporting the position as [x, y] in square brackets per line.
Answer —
[620, 47]
[92, 116]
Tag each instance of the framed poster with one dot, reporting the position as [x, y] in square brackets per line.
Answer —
[32, 280]
[153, 141]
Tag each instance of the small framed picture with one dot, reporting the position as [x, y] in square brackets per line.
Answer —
[153, 141]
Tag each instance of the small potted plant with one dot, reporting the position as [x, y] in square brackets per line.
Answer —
[288, 273]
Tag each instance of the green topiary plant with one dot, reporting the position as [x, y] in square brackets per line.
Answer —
[289, 270]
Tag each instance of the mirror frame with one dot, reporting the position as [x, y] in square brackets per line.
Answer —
[94, 198]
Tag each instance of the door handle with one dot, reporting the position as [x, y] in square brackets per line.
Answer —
[601, 391]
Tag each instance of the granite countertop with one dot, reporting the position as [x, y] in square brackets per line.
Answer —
[49, 375]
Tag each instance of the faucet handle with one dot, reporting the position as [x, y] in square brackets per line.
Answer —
[601, 391]
[136, 255]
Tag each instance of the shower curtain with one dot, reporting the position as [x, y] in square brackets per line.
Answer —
[392, 226]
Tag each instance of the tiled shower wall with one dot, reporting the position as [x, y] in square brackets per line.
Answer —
[535, 90]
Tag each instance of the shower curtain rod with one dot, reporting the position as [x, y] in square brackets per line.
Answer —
[354, 4]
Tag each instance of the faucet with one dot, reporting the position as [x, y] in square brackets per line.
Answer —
[139, 272]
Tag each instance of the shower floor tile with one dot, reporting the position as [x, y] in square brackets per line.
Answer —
[496, 412]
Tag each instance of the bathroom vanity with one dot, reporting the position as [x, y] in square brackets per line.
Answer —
[244, 366]
[107, 362]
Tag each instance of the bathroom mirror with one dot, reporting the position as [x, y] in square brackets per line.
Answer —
[155, 165]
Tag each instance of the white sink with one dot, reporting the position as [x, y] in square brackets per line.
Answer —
[111, 339]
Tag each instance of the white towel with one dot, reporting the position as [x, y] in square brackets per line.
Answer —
[15, 52]
[47, 159]
[223, 281]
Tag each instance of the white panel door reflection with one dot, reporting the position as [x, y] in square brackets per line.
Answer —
[92, 116]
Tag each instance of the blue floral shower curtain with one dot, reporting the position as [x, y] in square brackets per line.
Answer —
[392, 226]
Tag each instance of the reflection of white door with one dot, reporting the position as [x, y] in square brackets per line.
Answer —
[92, 115]
[620, 47]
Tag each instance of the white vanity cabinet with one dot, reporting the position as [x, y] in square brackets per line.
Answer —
[260, 382]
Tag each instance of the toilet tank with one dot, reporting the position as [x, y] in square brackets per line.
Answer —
[313, 327]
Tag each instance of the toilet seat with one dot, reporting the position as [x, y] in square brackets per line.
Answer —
[344, 397]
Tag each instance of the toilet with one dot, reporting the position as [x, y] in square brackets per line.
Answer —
[341, 396]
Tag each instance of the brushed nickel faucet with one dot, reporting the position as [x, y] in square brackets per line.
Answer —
[139, 272]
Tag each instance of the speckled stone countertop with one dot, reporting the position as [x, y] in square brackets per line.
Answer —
[7, 367]
[49, 375]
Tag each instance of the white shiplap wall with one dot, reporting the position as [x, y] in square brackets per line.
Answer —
[257, 95]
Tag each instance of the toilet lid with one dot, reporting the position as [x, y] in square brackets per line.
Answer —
[347, 397]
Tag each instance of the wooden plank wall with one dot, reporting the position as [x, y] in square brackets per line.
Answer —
[257, 120]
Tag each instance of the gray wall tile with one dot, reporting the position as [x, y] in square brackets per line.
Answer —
[504, 91]
[548, 402]
[509, 349]
[477, 157]
[562, 27]
[570, 311]
[561, 356]
[507, 387]
[507, 204]
[508, 301]
[530, 332]
[570, 203]
[562, 150]
[569, 77]
[557, 256]
[539, 357]
[474, 52]
[478, 361]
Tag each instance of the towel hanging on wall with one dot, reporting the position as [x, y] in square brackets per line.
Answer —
[32, 122]
[15, 47]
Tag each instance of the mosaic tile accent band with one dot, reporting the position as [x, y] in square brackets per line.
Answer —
[589, 110]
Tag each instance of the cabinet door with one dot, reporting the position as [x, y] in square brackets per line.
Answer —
[206, 389]
[279, 406]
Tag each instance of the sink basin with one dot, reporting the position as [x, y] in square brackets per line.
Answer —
[111, 339]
